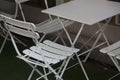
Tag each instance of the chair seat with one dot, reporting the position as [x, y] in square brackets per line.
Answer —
[52, 53]
[61, 47]
[111, 47]
[115, 53]
[52, 26]
[34, 55]
[118, 57]
[48, 53]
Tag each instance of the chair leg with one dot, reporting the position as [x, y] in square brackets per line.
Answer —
[102, 28]
[114, 60]
[114, 76]
[116, 63]
[53, 71]
[65, 66]
[93, 46]
[62, 65]
[45, 73]
[63, 40]
[20, 41]
[33, 70]
[3, 43]
[82, 67]
[21, 12]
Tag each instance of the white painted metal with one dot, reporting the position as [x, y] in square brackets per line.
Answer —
[111, 48]
[4, 33]
[48, 26]
[18, 6]
[86, 12]
[61, 47]
[21, 1]
[101, 33]
[53, 50]
[41, 54]
[9, 15]
[39, 57]
[113, 51]
[53, 54]
[51, 26]
[59, 2]
[20, 23]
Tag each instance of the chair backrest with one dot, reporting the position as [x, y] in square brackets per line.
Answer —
[21, 1]
[18, 6]
[22, 28]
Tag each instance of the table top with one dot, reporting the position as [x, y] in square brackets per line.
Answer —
[85, 11]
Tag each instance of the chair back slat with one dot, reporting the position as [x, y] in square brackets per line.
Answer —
[115, 52]
[21, 24]
[52, 26]
[23, 32]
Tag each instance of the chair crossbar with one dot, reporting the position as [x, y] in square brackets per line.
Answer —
[28, 60]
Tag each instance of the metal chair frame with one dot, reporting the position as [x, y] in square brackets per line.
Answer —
[44, 54]
[48, 26]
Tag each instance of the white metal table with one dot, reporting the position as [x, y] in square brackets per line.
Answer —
[86, 12]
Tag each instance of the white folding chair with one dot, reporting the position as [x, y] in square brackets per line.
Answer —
[48, 26]
[113, 52]
[44, 54]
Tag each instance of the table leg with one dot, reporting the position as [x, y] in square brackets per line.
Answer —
[73, 43]
[102, 28]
